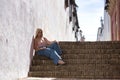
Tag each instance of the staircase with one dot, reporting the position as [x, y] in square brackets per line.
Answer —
[84, 60]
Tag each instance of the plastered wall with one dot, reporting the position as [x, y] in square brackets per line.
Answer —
[18, 22]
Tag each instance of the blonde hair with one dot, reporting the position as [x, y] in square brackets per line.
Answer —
[37, 31]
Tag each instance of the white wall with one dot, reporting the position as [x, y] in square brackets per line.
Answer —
[16, 32]
[51, 16]
[18, 22]
[68, 30]
[106, 36]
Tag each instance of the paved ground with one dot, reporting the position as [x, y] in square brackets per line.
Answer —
[32, 78]
[46, 79]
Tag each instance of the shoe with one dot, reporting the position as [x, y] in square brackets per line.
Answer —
[61, 62]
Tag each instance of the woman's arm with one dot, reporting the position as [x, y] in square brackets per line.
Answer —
[49, 42]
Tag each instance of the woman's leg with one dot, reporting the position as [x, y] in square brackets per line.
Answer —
[55, 57]
[56, 47]
[50, 53]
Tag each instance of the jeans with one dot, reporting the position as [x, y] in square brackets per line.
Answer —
[53, 52]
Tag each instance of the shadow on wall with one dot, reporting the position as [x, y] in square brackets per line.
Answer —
[31, 49]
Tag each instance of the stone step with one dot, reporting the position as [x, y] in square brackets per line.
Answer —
[84, 60]
[85, 45]
[91, 51]
[90, 43]
[76, 74]
[95, 46]
[78, 61]
[77, 67]
[82, 56]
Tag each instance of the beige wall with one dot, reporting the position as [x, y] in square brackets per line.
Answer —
[114, 12]
[18, 22]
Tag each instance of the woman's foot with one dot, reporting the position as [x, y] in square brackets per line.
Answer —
[61, 62]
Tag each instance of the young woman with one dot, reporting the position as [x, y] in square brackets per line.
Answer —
[47, 48]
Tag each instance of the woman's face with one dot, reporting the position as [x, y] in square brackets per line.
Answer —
[40, 34]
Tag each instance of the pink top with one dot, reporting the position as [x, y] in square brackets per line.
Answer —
[42, 43]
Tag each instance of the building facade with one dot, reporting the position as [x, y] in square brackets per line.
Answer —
[19, 20]
[104, 32]
[111, 28]
[100, 31]
[72, 18]
[114, 12]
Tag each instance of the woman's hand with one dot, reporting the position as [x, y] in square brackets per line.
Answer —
[42, 48]
[56, 41]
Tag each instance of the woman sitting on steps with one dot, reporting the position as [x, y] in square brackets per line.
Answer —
[47, 48]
